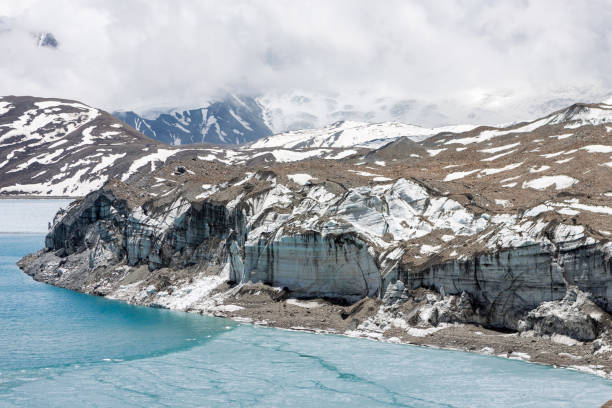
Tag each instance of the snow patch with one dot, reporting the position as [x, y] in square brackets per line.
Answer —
[560, 182]
[300, 178]
[459, 175]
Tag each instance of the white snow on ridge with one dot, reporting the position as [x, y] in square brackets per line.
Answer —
[503, 203]
[76, 185]
[598, 149]
[535, 211]
[584, 116]
[53, 104]
[300, 178]
[551, 155]
[28, 126]
[592, 208]
[539, 169]
[5, 107]
[455, 128]
[569, 207]
[435, 152]
[497, 156]
[560, 182]
[488, 172]
[561, 137]
[240, 120]
[500, 148]
[342, 154]
[429, 249]
[209, 189]
[592, 116]
[490, 134]
[161, 155]
[44, 158]
[459, 175]
[284, 156]
[107, 161]
[364, 173]
[352, 134]
[380, 179]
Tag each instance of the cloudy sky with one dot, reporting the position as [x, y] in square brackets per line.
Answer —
[448, 62]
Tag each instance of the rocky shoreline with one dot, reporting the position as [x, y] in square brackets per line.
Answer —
[402, 316]
[322, 316]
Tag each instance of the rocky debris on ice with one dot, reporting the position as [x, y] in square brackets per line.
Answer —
[574, 316]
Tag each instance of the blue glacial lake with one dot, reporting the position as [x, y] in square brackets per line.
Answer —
[64, 349]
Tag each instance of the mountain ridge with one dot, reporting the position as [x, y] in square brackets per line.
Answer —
[59, 147]
[353, 134]
[233, 120]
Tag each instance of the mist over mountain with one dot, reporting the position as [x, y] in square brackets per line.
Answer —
[238, 119]
[428, 65]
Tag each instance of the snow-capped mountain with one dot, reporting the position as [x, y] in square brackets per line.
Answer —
[53, 147]
[353, 134]
[240, 120]
[234, 120]
[579, 115]
[62, 148]
[56, 147]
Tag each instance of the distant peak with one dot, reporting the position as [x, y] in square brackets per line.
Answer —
[587, 113]
[47, 40]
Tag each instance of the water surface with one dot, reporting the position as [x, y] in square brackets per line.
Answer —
[63, 349]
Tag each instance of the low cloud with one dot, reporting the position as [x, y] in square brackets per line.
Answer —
[437, 62]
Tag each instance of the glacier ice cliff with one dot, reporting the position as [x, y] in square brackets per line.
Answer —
[329, 240]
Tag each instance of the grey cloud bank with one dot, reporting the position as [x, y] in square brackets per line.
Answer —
[430, 63]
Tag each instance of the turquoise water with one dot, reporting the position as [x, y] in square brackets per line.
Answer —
[63, 349]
